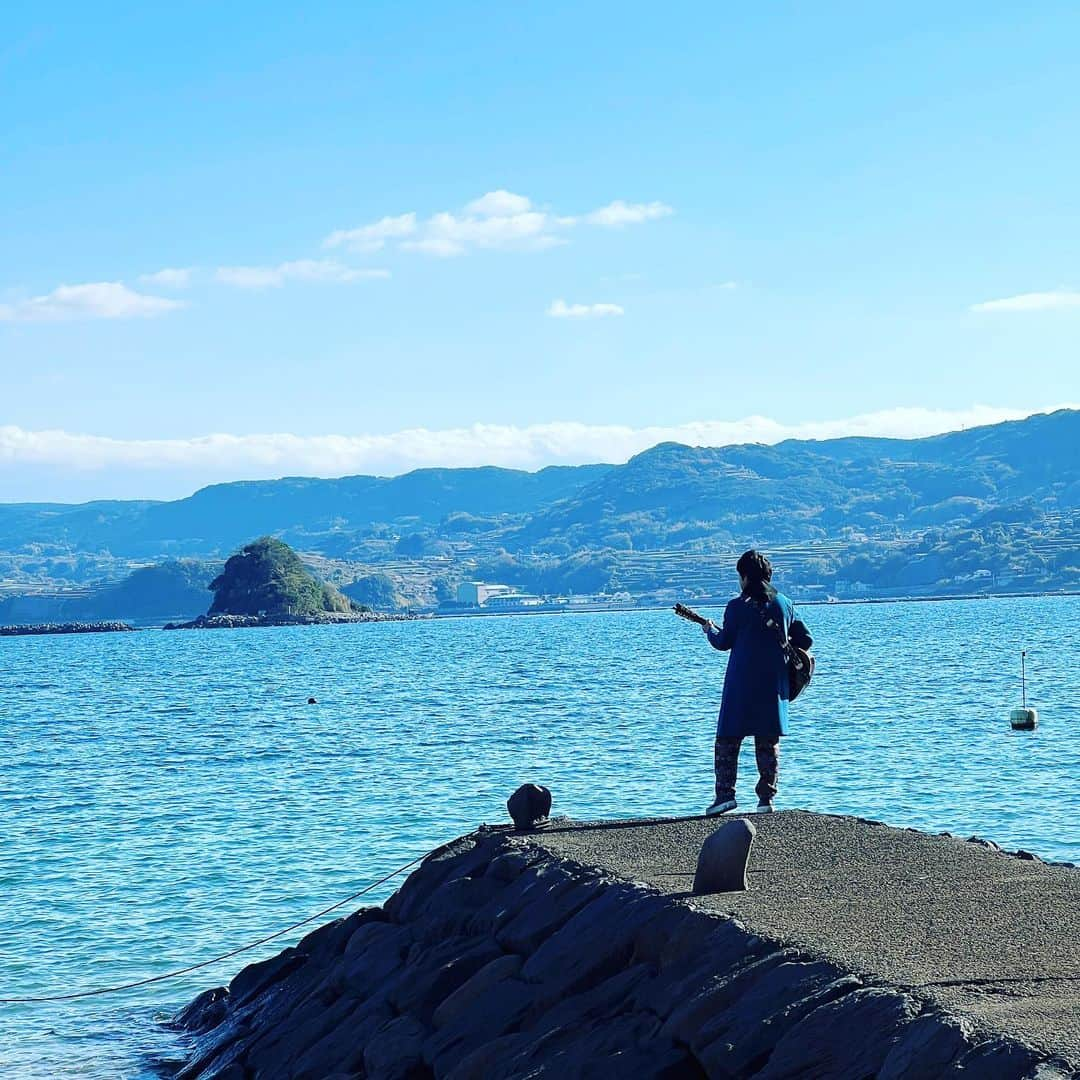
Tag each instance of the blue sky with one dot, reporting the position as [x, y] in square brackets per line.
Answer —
[451, 234]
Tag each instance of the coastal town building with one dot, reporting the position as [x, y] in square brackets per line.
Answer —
[494, 596]
[478, 593]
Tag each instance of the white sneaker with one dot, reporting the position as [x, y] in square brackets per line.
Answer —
[721, 808]
[764, 808]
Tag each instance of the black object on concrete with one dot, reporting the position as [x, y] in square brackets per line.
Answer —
[529, 806]
[721, 866]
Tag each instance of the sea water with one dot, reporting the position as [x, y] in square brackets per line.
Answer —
[166, 797]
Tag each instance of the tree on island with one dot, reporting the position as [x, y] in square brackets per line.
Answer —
[377, 591]
[163, 590]
[266, 577]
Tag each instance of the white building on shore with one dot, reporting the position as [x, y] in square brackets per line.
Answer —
[504, 597]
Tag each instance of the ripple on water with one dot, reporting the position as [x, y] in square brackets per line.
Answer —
[172, 797]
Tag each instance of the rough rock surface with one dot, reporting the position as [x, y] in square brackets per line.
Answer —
[991, 937]
[500, 957]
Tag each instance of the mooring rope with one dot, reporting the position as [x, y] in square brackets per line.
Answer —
[223, 956]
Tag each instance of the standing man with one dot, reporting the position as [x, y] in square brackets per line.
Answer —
[755, 699]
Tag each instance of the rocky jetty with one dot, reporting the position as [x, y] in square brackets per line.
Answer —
[66, 628]
[535, 955]
[236, 622]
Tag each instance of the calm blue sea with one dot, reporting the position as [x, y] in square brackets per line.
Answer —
[168, 796]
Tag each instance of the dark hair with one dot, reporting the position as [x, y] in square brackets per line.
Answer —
[757, 571]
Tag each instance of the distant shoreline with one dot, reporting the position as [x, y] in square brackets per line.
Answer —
[937, 599]
[718, 601]
[252, 622]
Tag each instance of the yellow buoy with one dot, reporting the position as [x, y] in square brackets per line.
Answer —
[1023, 719]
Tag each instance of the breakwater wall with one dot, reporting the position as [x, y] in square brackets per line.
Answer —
[501, 957]
[24, 629]
[324, 618]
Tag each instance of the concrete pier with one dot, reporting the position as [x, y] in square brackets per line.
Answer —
[990, 936]
[857, 951]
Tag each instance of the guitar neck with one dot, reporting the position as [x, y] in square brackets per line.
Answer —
[684, 612]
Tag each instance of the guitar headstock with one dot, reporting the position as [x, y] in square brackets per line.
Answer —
[686, 613]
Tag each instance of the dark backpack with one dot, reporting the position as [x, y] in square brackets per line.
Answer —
[796, 644]
[800, 670]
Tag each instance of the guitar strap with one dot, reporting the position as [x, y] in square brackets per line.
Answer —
[791, 655]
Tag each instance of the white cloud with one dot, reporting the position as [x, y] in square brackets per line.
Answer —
[499, 203]
[449, 234]
[560, 309]
[619, 213]
[1033, 301]
[169, 278]
[221, 456]
[373, 237]
[95, 300]
[500, 220]
[273, 277]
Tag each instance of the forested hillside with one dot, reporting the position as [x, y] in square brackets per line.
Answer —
[989, 507]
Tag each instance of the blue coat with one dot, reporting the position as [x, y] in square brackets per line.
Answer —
[755, 700]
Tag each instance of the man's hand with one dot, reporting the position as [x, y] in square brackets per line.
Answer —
[710, 628]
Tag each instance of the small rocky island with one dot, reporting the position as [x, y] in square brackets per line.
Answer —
[266, 584]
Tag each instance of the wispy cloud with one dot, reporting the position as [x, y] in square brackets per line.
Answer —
[273, 277]
[618, 214]
[560, 309]
[1055, 300]
[170, 278]
[500, 220]
[222, 456]
[95, 300]
[373, 237]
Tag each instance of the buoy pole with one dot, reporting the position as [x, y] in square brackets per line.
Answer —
[1023, 719]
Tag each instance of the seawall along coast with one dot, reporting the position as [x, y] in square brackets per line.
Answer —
[858, 951]
[323, 618]
[24, 629]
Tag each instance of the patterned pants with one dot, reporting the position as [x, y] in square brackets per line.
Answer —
[726, 762]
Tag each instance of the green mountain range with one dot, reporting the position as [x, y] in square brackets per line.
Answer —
[994, 506]
[216, 519]
[799, 490]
